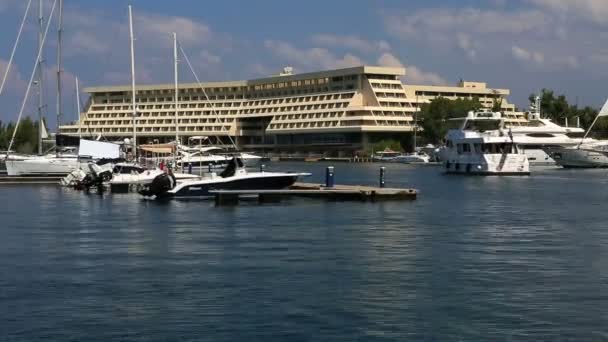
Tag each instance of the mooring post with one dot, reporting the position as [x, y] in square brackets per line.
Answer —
[262, 166]
[209, 167]
[329, 177]
[382, 176]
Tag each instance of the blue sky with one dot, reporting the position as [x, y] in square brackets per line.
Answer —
[523, 45]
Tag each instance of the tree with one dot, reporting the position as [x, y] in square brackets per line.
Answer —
[434, 116]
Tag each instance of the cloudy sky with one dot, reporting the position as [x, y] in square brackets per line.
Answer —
[523, 45]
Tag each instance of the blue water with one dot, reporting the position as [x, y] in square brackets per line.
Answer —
[473, 259]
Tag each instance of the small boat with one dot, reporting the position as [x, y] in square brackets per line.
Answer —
[390, 156]
[234, 177]
[125, 176]
[387, 156]
[413, 158]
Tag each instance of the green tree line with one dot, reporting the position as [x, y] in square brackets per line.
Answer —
[26, 139]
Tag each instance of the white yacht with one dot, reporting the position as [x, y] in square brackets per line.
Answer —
[540, 135]
[480, 146]
[587, 153]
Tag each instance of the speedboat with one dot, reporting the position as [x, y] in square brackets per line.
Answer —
[481, 147]
[413, 158]
[234, 177]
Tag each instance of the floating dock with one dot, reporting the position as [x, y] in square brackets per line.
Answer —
[8, 180]
[309, 190]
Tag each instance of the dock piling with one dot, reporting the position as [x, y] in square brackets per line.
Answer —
[382, 176]
[329, 177]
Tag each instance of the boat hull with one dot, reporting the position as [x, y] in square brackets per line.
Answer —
[201, 190]
[42, 166]
[580, 158]
[489, 165]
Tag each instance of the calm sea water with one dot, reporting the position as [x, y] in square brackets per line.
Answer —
[474, 258]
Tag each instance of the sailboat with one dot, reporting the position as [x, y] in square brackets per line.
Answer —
[126, 175]
[589, 153]
[60, 163]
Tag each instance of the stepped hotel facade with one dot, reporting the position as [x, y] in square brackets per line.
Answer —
[335, 112]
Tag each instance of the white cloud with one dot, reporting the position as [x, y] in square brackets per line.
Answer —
[208, 58]
[14, 81]
[311, 58]
[350, 42]
[425, 22]
[594, 10]
[413, 75]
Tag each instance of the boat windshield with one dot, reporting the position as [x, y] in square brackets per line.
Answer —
[482, 125]
[498, 148]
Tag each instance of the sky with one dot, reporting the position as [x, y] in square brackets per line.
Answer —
[522, 45]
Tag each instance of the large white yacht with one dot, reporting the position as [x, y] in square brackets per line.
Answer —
[481, 146]
[539, 136]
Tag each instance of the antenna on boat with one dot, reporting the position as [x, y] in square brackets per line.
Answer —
[133, 104]
[78, 107]
[176, 93]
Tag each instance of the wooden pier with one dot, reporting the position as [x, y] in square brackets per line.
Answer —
[309, 190]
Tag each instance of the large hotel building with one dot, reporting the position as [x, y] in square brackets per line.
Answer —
[333, 111]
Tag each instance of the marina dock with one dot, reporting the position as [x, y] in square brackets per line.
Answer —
[310, 190]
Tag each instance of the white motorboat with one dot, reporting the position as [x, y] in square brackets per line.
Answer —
[129, 176]
[481, 147]
[587, 153]
[216, 157]
[234, 177]
[413, 158]
[387, 156]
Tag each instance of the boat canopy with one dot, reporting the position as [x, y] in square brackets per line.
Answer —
[158, 148]
[98, 149]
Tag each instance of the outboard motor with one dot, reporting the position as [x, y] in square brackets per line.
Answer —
[159, 186]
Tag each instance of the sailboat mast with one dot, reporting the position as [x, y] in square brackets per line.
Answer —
[59, 42]
[39, 74]
[78, 107]
[133, 105]
[176, 89]
[416, 122]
